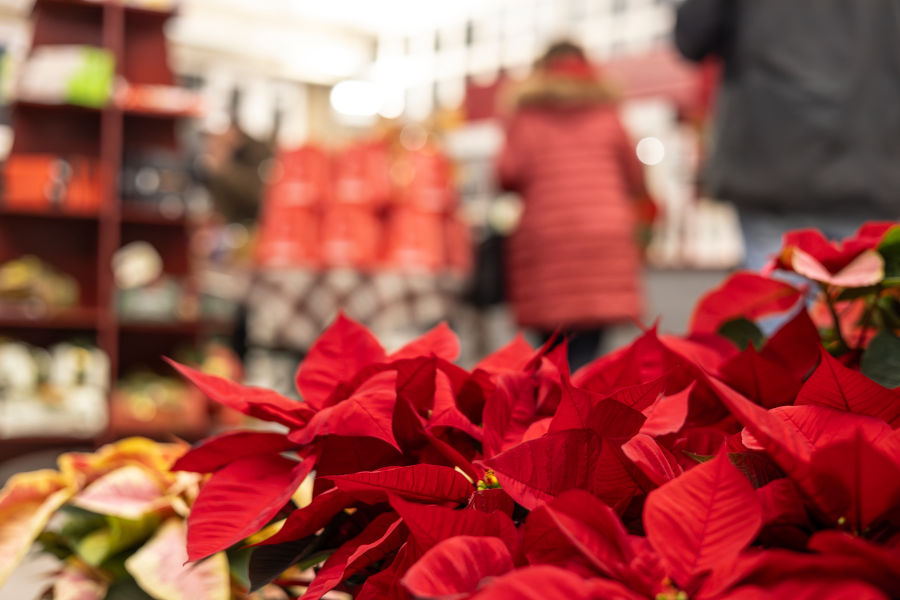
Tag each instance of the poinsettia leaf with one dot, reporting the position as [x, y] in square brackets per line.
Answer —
[425, 483]
[702, 519]
[856, 482]
[379, 538]
[306, 521]
[270, 561]
[864, 270]
[253, 401]
[342, 350]
[764, 381]
[645, 359]
[667, 414]
[742, 332]
[509, 411]
[782, 503]
[593, 529]
[75, 582]
[440, 342]
[367, 413]
[766, 430]
[27, 502]
[884, 561]
[445, 412]
[820, 426]
[429, 524]
[643, 395]
[490, 500]
[539, 470]
[541, 582]
[881, 361]
[455, 567]
[240, 499]
[128, 492]
[385, 585]
[770, 569]
[509, 359]
[746, 295]
[160, 568]
[582, 409]
[807, 589]
[795, 346]
[215, 452]
[416, 381]
[756, 466]
[654, 461]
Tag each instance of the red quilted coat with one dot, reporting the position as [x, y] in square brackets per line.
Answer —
[573, 262]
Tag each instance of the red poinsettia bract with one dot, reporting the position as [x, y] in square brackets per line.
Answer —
[678, 467]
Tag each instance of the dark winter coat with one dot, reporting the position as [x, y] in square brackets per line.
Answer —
[809, 105]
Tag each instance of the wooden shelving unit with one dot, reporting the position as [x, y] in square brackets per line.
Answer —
[82, 245]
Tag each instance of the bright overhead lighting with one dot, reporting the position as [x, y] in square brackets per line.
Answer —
[356, 98]
[651, 151]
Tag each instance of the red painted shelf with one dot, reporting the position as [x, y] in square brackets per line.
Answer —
[142, 215]
[80, 318]
[188, 328]
[53, 213]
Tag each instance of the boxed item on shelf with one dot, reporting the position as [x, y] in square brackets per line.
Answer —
[67, 74]
[147, 404]
[43, 182]
[157, 180]
[158, 99]
[28, 282]
[60, 392]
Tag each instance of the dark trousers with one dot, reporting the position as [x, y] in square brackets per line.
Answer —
[583, 345]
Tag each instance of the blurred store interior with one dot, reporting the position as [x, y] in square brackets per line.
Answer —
[214, 180]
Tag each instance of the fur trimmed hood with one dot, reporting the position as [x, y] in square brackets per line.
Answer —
[543, 89]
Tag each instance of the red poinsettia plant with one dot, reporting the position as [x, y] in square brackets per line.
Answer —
[719, 464]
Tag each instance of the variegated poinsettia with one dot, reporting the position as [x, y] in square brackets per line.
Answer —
[116, 519]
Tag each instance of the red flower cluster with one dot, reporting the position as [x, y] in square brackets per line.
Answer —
[678, 467]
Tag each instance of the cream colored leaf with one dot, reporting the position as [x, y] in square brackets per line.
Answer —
[27, 502]
[159, 568]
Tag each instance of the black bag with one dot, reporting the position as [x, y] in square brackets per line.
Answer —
[488, 286]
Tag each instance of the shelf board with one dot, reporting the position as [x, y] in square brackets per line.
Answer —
[175, 327]
[129, 8]
[143, 215]
[51, 213]
[80, 318]
[18, 446]
[57, 106]
[78, 3]
[160, 113]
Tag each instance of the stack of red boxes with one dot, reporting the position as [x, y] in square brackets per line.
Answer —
[350, 225]
[365, 208]
[415, 229]
[299, 186]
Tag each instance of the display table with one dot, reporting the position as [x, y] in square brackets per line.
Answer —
[289, 308]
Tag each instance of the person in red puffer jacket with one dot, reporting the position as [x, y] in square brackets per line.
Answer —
[574, 261]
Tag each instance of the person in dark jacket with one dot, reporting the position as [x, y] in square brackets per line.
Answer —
[574, 262]
[807, 131]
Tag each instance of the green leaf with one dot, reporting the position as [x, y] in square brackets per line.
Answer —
[881, 360]
[118, 535]
[742, 332]
[77, 523]
[126, 589]
[889, 248]
[54, 544]
[861, 292]
[700, 458]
